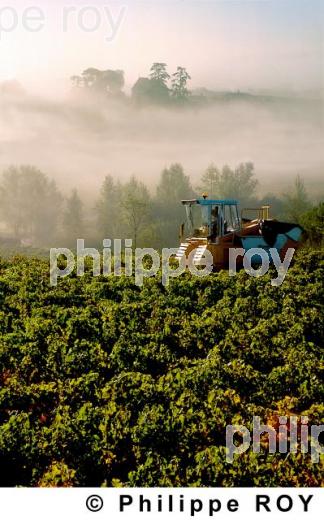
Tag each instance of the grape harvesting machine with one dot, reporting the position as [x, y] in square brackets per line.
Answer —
[217, 226]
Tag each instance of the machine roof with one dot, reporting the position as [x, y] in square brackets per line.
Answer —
[212, 202]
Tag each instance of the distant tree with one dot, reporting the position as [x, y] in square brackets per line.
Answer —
[159, 73]
[135, 206]
[115, 81]
[179, 84]
[238, 184]
[30, 204]
[209, 180]
[230, 184]
[313, 223]
[77, 81]
[297, 202]
[108, 208]
[173, 187]
[92, 78]
[152, 90]
[106, 82]
[73, 219]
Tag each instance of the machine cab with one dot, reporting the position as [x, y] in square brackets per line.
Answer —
[211, 219]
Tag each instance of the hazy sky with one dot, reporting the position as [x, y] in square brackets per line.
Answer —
[275, 44]
[224, 44]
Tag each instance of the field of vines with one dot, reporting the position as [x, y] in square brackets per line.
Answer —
[103, 383]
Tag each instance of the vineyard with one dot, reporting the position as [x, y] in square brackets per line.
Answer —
[103, 383]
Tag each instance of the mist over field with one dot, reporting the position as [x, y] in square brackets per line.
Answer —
[78, 141]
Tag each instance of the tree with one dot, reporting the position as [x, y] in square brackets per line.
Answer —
[173, 187]
[73, 220]
[115, 81]
[159, 73]
[104, 82]
[209, 180]
[179, 84]
[153, 89]
[313, 223]
[77, 81]
[297, 202]
[135, 205]
[108, 208]
[30, 204]
[237, 184]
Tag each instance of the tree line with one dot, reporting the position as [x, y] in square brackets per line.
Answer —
[159, 87]
[34, 212]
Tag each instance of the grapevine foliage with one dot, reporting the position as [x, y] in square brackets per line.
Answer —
[103, 383]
